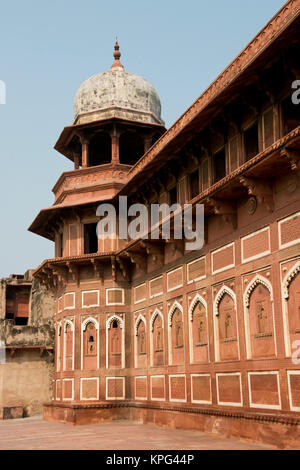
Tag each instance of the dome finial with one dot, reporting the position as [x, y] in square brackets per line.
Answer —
[117, 55]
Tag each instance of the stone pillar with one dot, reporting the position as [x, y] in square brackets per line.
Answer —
[115, 155]
[76, 161]
[2, 299]
[85, 152]
[147, 143]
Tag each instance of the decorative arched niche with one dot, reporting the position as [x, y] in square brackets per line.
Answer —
[176, 334]
[115, 342]
[59, 346]
[90, 344]
[226, 325]
[291, 307]
[69, 345]
[140, 342]
[259, 318]
[157, 348]
[198, 330]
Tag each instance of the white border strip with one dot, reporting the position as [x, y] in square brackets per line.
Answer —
[135, 395]
[258, 255]
[172, 272]
[158, 377]
[225, 268]
[81, 383]
[205, 402]
[190, 281]
[280, 222]
[241, 391]
[90, 292]
[181, 400]
[63, 389]
[106, 389]
[259, 405]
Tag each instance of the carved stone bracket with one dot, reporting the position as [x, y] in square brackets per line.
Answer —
[61, 274]
[155, 250]
[124, 267]
[98, 268]
[138, 259]
[74, 271]
[262, 190]
[293, 156]
[113, 268]
[177, 245]
[224, 208]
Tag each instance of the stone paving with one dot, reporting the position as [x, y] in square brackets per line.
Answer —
[35, 434]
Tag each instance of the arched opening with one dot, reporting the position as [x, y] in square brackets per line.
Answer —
[76, 150]
[100, 149]
[115, 345]
[131, 147]
[155, 138]
[90, 346]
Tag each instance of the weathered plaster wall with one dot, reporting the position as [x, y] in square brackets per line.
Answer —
[25, 380]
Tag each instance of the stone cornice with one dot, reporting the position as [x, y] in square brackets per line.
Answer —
[258, 44]
[88, 189]
[87, 171]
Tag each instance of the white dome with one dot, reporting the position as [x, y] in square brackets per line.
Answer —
[117, 93]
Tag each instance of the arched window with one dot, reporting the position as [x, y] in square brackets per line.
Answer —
[115, 342]
[90, 344]
[131, 147]
[100, 149]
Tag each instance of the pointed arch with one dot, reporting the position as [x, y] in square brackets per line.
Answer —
[83, 329]
[58, 345]
[153, 318]
[89, 320]
[172, 310]
[70, 323]
[112, 319]
[196, 300]
[258, 279]
[139, 319]
[157, 313]
[224, 290]
[289, 278]
[108, 327]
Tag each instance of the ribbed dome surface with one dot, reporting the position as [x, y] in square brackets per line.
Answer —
[117, 93]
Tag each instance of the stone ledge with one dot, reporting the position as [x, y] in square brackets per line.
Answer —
[11, 412]
[253, 416]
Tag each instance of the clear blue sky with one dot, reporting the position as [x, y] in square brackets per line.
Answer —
[48, 48]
